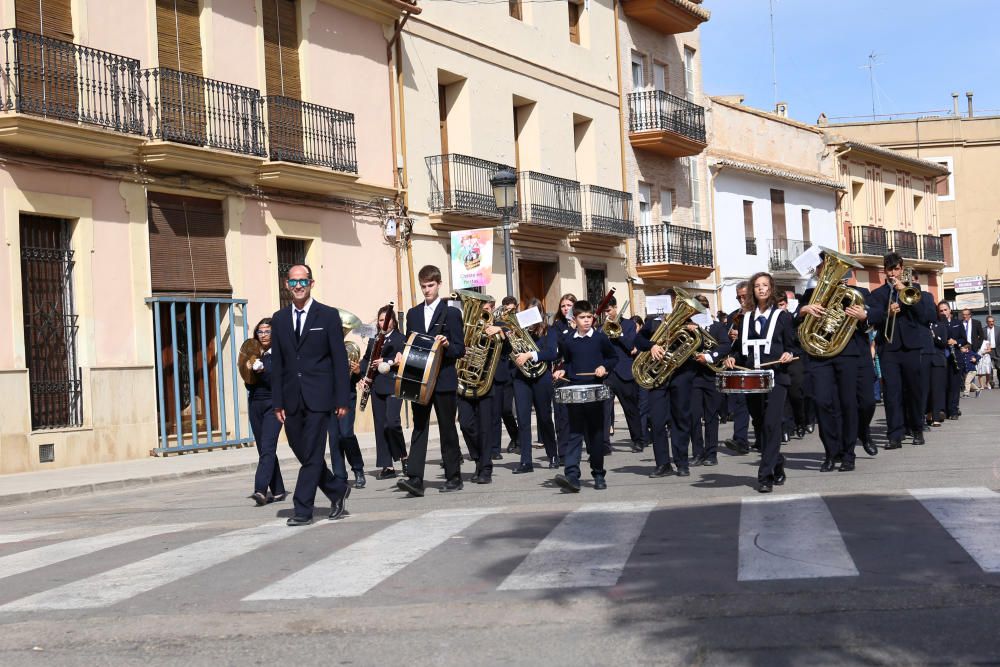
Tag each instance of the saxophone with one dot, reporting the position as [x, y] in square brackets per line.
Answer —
[478, 367]
[521, 341]
[827, 336]
[673, 336]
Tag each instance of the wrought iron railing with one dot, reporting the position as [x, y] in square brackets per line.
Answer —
[56, 79]
[867, 240]
[659, 110]
[607, 211]
[932, 248]
[672, 244]
[461, 184]
[190, 109]
[783, 251]
[307, 133]
[905, 243]
[751, 246]
[198, 385]
[549, 200]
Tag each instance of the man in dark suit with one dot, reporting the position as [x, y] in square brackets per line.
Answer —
[973, 330]
[621, 382]
[309, 367]
[435, 318]
[953, 364]
[935, 362]
[707, 400]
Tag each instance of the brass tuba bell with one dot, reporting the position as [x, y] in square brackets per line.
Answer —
[478, 367]
[350, 321]
[678, 343]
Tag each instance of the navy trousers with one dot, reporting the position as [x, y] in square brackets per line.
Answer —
[266, 428]
[901, 368]
[503, 414]
[866, 396]
[679, 389]
[538, 394]
[706, 401]
[390, 444]
[476, 417]
[954, 380]
[835, 387]
[443, 404]
[586, 421]
[741, 418]
[307, 433]
[562, 427]
[659, 417]
[767, 411]
[626, 391]
[937, 387]
[344, 445]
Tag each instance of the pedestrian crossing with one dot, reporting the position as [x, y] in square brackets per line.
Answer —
[595, 546]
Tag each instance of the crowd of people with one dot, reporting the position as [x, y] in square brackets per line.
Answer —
[909, 354]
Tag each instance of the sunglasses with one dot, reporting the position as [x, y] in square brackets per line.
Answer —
[301, 282]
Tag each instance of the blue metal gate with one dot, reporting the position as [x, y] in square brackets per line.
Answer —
[198, 387]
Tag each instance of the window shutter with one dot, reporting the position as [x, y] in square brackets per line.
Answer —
[51, 18]
[178, 33]
[949, 251]
[187, 246]
[778, 229]
[805, 226]
[281, 48]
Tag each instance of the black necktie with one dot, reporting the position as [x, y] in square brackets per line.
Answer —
[298, 322]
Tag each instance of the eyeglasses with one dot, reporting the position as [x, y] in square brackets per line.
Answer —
[263, 332]
[301, 282]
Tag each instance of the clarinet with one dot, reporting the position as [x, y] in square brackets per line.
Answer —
[374, 361]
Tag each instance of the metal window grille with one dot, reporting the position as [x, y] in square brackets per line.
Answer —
[50, 323]
[290, 253]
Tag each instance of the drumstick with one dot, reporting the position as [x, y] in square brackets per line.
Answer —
[772, 363]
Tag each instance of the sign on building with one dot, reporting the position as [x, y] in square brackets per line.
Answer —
[472, 257]
[972, 301]
[969, 284]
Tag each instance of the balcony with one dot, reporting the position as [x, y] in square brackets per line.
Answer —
[905, 243]
[783, 251]
[665, 124]
[461, 196]
[932, 249]
[68, 99]
[607, 218]
[551, 206]
[670, 17]
[187, 114]
[670, 252]
[868, 242]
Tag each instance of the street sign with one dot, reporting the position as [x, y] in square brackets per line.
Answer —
[972, 301]
[969, 284]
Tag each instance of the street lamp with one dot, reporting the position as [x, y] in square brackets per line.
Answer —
[504, 184]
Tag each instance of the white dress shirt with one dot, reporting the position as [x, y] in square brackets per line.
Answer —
[991, 337]
[968, 331]
[304, 316]
[429, 309]
[590, 332]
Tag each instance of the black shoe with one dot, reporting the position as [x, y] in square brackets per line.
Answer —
[339, 508]
[554, 463]
[662, 471]
[485, 478]
[475, 477]
[765, 485]
[779, 475]
[299, 521]
[453, 484]
[412, 485]
[599, 483]
[636, 448]
[738, 447]
[278, 497]
[359, 480]
[497, 457]
[828, 465]
[697, 461]
[710, 462]
[386, 473]
[568, 483]
[847, 466]
[511, 447]
[810, 428]
[918, 439]
[953, 418]
[894, 444]
[683, 472]
[870, 449]
[259, 498]
[800, 432]
[785, 438]
[521, 469]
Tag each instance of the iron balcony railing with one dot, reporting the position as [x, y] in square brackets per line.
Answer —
[607, 211]
[869, 241]
[461, 184]
[932, 248]
[190, 109]
[56, 79]
[307, 133]
[659, 110]
[549, 200]
[672, 244]
[905, 243]
[783, 251]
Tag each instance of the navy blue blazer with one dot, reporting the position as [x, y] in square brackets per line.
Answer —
[261, 391]
[311, 372]
[954, 329]
[447, 321]
[394, 342]
[911, 328]
[623, 349]
[783, 341]
[938, 351]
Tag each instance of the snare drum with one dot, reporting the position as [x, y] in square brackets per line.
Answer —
[582, 393]
[418, 370]
[745, 382]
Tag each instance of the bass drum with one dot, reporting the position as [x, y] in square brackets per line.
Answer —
[418, 370]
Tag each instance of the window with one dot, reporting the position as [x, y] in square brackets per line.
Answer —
[281, 70]
[694, 176]
[187, 246]
[947, 241]
[660, 77]
[778, 229]
[47, 76]
[889, 217]
[178, 46]
[596, 279]
[805, 228]
[748, 233]
[666, 206]
[638, 71]
[574, 21]
[919, 213]
[584, 150]
[50, 323]
[644, 204]
[689, 73]
[945, 185]
[514, 8]
[290, 253]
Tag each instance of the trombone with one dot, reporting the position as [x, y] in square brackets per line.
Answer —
[909, 295]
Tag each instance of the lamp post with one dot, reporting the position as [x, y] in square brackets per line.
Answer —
[504, 184]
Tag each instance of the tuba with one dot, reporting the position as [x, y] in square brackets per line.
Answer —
[679, 343]
[482, 353]
[521, 341]
[350, 322]
[827, 336]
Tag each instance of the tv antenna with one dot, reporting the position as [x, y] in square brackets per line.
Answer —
[872, 63]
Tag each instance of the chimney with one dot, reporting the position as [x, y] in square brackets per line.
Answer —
[781, 108]
[968, 96]
[954, 104]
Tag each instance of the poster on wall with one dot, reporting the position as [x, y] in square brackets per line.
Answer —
[471, 257]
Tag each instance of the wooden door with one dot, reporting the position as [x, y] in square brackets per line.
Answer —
[534, 281]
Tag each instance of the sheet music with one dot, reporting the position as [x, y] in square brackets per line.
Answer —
[658, 305]
[528, 317]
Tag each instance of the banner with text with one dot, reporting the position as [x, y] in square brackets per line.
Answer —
[471, 257]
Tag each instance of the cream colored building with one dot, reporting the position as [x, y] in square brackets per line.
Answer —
[968, 147]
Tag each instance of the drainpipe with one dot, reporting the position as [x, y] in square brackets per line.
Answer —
[402, 179]
[629, 277]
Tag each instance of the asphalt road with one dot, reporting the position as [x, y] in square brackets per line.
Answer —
[895, 563]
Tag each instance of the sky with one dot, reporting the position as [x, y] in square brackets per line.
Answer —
[925, 50]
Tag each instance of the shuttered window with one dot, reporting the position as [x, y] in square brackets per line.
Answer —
[748, 232]
[178, 35]
[187, 246]
[182, 91]
[281, 48]
[47, 72]
[778, 229]
[51, 18]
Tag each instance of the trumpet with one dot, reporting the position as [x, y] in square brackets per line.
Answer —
[908, 294]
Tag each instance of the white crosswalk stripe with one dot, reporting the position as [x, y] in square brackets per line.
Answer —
[356, 569]
[589, 548]
[8, 538]
[122, 583]
[971, 516]
[25, 561]
[791, 537]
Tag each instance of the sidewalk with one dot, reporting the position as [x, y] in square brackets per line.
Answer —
[65, 482]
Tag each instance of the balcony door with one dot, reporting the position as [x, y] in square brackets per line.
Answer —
[183, 114]
[535, 280]
[47, 68]
[282, 74]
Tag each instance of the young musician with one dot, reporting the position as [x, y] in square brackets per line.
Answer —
[621, 382]
[268, 485]
[435, 318]
[564, 324]
[900, 357]
[934, 361]
[765, 335]
[536, 392]
[658, 399]
[588, 355]
[706, 399]
[504, 396]
[390, 444]
[955, 339]
[740, 442]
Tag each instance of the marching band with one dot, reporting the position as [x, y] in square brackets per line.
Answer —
[676, 376]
